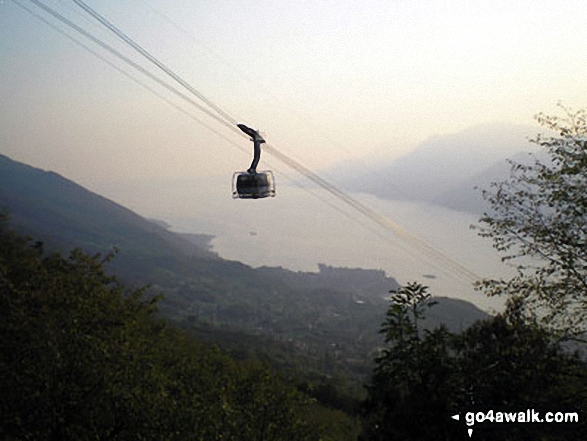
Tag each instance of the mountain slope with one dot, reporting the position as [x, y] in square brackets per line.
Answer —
[67, 215]
[438, 165]
[467, 195]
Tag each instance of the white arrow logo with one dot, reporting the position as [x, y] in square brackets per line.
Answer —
[457, 417]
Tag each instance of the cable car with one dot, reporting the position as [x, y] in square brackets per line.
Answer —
[253, 184]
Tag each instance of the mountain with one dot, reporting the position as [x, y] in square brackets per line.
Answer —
[333, 314]
[441, 165]
[467, 195]
[67, 215]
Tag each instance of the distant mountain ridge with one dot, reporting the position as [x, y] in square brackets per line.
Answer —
[443, 169]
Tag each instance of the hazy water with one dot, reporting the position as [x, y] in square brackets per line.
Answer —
[298, 229]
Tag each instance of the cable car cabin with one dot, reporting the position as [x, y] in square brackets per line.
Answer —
[255, 185]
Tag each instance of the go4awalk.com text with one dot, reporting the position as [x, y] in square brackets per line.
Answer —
[491, 418]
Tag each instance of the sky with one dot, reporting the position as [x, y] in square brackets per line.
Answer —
[325, 81]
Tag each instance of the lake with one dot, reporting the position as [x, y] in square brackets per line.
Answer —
[302, 227]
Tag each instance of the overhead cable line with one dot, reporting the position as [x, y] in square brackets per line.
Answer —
[196, 119]
[137, 47]
[378, 218]
[122, 71]
[153, 91]
[454, 267]
[131, 63]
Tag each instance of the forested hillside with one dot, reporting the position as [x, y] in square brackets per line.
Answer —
[84, 358]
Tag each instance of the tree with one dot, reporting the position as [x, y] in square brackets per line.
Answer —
[410, 392]
[421, 378]
[538, 220]
[505, 364]
[76, 351]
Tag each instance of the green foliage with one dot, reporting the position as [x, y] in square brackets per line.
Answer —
[422, 378]
[407, 307]
[82, 358]
[410, 388]
[539, 219]
[507, 364]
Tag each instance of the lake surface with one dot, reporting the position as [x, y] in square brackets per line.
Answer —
[302, 227]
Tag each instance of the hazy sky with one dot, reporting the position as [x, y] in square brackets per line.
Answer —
[324, 80]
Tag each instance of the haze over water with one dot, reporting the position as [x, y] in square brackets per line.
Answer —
[298, 229]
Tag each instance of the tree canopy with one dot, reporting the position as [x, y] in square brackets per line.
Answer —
[538, 220]
[423, 377]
